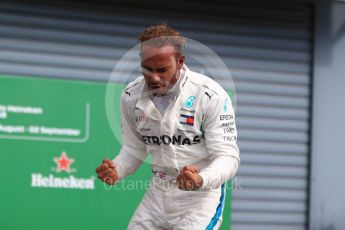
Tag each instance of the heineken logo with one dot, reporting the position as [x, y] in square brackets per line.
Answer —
[63, 164]
[71, 182]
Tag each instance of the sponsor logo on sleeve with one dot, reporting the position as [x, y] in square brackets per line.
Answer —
[229, 130]
[227, 124]
[226, 117]
[230, 138]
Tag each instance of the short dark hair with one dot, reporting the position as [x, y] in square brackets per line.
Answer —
[162, 34]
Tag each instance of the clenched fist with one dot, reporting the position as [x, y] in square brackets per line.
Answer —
[107, 172]
[189, 178]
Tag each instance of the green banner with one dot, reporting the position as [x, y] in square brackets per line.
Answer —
[53, 134]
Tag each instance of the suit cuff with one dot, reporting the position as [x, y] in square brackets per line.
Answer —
[205, 178]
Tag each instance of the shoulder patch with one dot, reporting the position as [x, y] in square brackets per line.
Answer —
[131, 86]
[128, 92]
[209, 93]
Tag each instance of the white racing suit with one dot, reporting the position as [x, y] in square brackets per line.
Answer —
[198, 129]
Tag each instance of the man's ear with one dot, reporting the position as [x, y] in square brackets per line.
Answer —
[180, 61]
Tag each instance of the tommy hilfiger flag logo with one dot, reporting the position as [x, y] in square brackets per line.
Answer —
[186, 119]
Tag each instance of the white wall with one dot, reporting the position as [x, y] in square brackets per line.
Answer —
[327, 206]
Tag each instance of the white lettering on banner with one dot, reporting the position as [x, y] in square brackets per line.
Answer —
[12, 129]
[71, 182]
[3, 114]
[34, 129]
[24, 109]
[23, 130]
[39, 130]
[59, 131]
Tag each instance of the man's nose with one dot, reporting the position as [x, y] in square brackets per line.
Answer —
[154, 77]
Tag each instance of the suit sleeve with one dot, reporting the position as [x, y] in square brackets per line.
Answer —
[221, 137]
[133, 151]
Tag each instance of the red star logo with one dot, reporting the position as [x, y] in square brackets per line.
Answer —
[63, 163]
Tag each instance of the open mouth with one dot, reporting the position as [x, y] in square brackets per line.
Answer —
[155, 86]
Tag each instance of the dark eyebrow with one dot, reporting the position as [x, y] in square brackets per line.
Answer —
[146, 67]
[159, 68]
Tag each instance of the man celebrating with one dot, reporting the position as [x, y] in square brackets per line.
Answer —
[186, 121]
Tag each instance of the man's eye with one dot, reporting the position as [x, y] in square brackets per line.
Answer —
[162, 70]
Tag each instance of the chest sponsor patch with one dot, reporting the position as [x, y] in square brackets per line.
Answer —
[145, 129]
[187, 110]
[189, 102]
[141, 119]
[174, 140]
[186, 119]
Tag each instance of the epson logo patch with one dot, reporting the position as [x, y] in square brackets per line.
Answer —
[226, 117]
